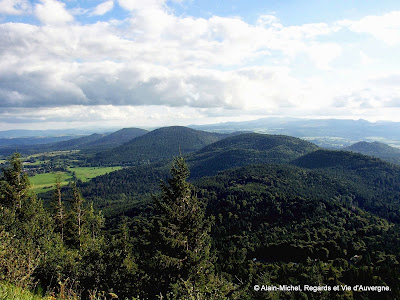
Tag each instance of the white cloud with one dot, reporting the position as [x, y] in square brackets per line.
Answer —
[156, 59]
[132, 5]
[323, 54]
[52, 12]
[385, 27]
[103, 8]
[15, 7]
[365, 59]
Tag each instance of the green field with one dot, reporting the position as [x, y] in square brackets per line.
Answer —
[46, 181]
[54, 153]
[87, 173]
[37, 163]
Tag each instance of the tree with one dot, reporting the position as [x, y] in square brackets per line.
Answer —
[73, 232]
[59, 214]
[14, 184]
[181, 240]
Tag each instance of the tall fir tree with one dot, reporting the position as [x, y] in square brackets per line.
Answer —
[14, 184]
[59, 212]
[75, 221]
[181, 233]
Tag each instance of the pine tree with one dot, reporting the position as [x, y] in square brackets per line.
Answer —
[93, 223]
[181, 240]
[59, 213]
[76, 218]
[14, 184]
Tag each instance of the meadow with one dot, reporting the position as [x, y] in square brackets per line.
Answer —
[45, 182]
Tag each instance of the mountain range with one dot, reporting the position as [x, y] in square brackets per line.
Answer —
[284, 210]
[376, 149]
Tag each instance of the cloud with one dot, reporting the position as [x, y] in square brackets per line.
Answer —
[157, 59]
[52, 12]
[100, 64]
[133, 5]
[385, 27]
[15, 7]
[388, 80]
[103, 8]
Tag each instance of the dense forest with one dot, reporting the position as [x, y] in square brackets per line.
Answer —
[233, 217]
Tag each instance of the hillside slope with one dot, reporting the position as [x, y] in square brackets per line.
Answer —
[245, 149]
[300, 227]
[376, 149]
[162, 143]
[76, 144]
[114, 139]
[373, 183]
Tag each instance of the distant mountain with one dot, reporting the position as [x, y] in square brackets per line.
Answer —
[159, 144]
[28, 141]
[90, 143]
[375, 180]
[334, 133]
[76, 144]
[376, 149]
[116, 138]
[234, 151]
[21, 133]
[246, 149]
[340, 160]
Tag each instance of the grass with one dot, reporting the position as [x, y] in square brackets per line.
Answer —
[37, 163]
[44, 182]
[12, 292]
[53, 153]
[87, 173]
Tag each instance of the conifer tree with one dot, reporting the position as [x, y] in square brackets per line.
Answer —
[59, 213]
[77, 216]
[14, 184]
[181, 240]
[93, 224]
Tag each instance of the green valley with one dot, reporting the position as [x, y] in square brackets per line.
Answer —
[197, 214]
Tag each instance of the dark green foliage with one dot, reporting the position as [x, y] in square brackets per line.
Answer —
[373, 183]
[283, 217]
[163, 143]
[292, 215]
[59, 214]
[181, 243]
[115, 139]
[77, 143]
[14, 184]
[376, 149]
[117, 192]
[246, 149]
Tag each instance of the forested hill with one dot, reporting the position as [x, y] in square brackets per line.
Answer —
[373, 182]
[162, 143]
[280, 211]
[332, 223]
[368, 182]
[233, 151]
[380, 150]
[114, 139]
[96, 142]
[246, 149]
[298, 225]
[77, 143]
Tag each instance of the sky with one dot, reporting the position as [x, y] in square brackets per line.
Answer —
[136, 63]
